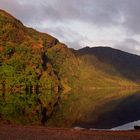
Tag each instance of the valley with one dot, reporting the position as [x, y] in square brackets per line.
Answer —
[45, 83]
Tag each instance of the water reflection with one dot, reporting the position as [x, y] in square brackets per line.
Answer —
[120, 110]
[98, 108]
[84, 108]
[27, 108]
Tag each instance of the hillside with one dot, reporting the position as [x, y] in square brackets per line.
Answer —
[108, 67]
[30, 62]
[125, 64]
[29, 59]
[36, 70]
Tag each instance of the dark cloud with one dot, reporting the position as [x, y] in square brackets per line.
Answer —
[123, 13]
[100, 12]
[131, 10]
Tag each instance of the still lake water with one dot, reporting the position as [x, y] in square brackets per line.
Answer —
[100, 109]
[116, 112]
[103, 109]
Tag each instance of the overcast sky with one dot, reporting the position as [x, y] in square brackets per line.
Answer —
[80, 23]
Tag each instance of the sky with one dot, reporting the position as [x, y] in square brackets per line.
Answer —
[80, 23]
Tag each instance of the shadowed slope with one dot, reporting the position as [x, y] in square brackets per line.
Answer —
[128, 65]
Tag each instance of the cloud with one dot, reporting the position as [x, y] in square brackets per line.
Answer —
[72, 38]
[99, 12]
[103, 13]
[70, 20]
[28, 13]
[131, 10]
[129, 44]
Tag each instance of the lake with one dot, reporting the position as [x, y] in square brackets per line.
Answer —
[115, 112]
[99, 109]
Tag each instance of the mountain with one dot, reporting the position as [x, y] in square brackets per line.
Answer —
[128, 65]
[43, 68]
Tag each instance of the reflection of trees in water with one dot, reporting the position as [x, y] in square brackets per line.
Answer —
[28, 107]
[96, 109]
[116, 112]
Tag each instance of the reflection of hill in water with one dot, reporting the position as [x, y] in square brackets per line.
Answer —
[99, 108]
[90, 108]
[27, 108]
[116, 112]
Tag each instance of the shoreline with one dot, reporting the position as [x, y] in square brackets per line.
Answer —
[16, 132]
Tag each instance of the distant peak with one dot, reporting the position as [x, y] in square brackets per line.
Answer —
[87, 47]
